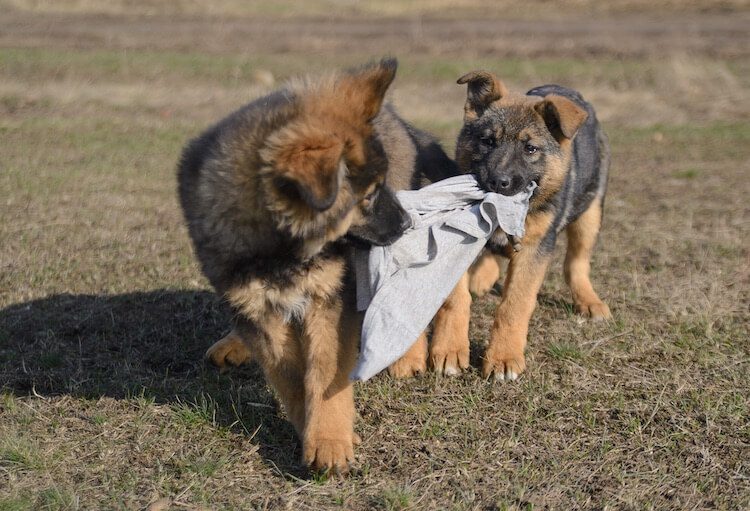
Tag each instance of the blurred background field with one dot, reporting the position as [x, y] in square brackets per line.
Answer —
[104, 316]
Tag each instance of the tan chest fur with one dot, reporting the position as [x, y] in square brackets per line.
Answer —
[259, 297]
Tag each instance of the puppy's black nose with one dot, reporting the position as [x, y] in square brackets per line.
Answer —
[499, 183]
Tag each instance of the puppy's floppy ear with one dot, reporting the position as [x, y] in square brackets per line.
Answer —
[364, 88]
[308, 169]
[561, 115]
[483, 89]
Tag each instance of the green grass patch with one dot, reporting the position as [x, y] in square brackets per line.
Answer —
[712, 141]
[433, 429]
[564, 351]
[53, 499]
[99, 419]
[87, 151]
[51, 360]
[7, 402]
[205, 466]
[17, 454]
[686, 174]
[393, 499]
[16, 504]
[202, 411]
[236, 69]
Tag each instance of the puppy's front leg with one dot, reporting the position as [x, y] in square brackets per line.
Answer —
[277, 349]
[330, 345]
[504, 357]
[449, 352]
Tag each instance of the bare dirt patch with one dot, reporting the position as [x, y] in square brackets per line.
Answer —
[629, 34]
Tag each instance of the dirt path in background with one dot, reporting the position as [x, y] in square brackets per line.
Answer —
[634, 35]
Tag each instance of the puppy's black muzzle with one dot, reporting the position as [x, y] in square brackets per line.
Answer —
[386, 221]
[504, 183]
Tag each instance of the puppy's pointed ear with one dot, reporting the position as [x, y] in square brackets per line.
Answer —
[483, 88]
[365, 87]
[308, 169]
[561, 115]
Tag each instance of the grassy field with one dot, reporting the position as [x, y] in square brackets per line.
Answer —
[105, 402]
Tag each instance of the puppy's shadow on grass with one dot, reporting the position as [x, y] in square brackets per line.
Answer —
[148, 344]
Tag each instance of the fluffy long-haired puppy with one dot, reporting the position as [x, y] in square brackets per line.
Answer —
[272, 195]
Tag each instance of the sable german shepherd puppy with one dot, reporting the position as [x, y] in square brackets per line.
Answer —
[549, 136]
[272, 195]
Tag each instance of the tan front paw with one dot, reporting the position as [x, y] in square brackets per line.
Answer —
[451, 361]
[413, 362]
[407, 366]
[503, 366]
[229, 351]
[597, 310]
[330, 456]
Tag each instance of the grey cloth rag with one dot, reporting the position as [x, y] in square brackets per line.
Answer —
[403, 285]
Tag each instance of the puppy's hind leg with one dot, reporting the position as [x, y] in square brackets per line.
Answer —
[231, 350]
[581, 239]
[484, 273]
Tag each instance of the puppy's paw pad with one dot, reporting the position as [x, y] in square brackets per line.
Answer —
[229, 351]
[407, 367]
[597, 311]
[504, 368]
[449, 363]
[329, 456]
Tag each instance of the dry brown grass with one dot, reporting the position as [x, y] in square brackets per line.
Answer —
[397, 8]
[104, 316]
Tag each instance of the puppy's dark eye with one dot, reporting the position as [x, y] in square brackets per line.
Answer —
[530, 149]
[488, 141]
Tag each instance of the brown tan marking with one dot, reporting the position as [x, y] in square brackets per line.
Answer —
[554, 176]
[258, 298]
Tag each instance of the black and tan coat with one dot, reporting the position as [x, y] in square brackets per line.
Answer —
[549, 136]
[273, 196]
